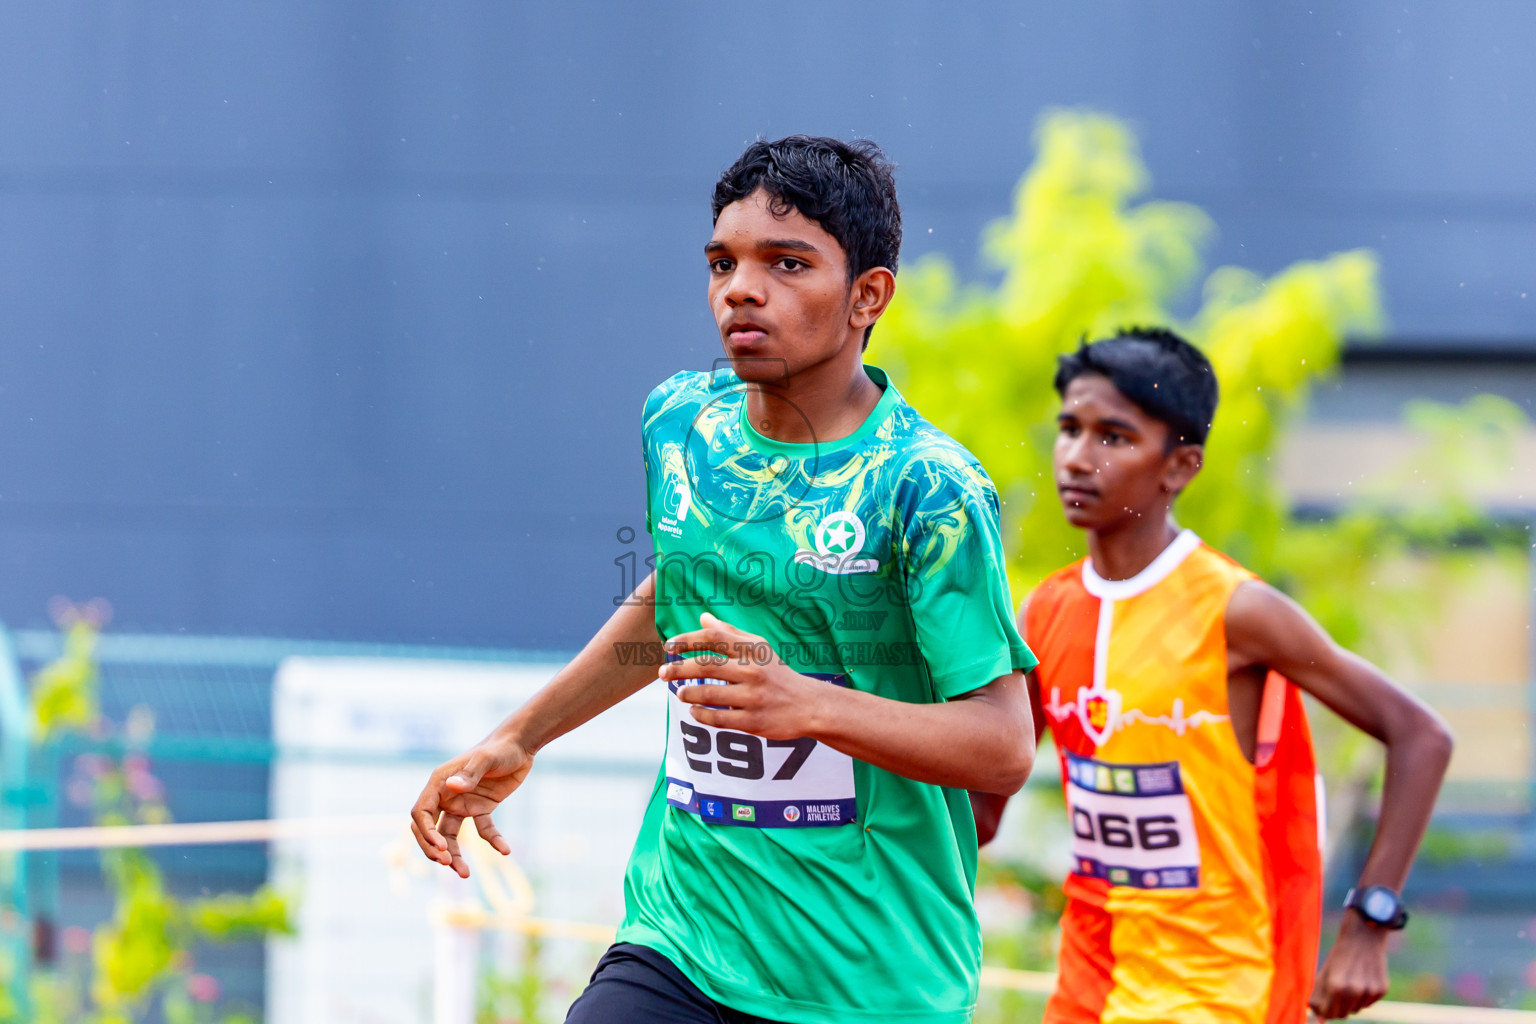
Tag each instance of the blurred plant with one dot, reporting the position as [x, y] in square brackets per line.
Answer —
[997, 1006]
[64, 691]
[518, 996]
[1078, 257]
[115, 974]
[1442, 846]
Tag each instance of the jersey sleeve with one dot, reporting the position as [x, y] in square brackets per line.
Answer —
[957, 588]
[651, 413]
[647, 415]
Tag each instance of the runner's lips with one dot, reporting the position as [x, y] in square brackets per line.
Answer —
[745, 332]
[1072, 492]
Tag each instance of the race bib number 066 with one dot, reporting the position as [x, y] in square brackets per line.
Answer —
[1132, 824]
[735, 778]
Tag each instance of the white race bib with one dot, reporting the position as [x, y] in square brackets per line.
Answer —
[735, 778]
[1132, 824]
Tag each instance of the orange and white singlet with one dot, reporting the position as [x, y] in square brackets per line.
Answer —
[1197, 882]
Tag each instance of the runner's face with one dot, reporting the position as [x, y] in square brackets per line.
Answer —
[1111, 459]
[778, 286]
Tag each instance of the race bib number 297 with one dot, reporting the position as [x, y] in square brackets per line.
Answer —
[735, 778]
[1132, 824]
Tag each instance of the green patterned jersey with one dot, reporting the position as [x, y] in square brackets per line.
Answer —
[784, 878]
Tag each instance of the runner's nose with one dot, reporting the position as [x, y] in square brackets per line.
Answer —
[746, 286]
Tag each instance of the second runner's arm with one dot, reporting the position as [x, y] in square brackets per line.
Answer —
[1264, 627]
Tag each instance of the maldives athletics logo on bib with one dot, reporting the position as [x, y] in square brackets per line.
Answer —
[838, 538]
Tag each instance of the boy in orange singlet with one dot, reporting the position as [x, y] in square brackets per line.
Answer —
[1169, 676]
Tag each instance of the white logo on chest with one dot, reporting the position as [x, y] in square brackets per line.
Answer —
[838, 538]
[1100, 714]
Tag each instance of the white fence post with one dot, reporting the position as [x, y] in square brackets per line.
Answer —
[455, 950]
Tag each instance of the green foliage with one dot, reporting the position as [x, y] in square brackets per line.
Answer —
[1077, 257]
[64, 691]
[1443, 846]
[995, 1006]
[229, 917]
[144, 952]
[135, 949]
[517, 996]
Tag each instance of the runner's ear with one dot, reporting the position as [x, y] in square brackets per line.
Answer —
[1181, 467]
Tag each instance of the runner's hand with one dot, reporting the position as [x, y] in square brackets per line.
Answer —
[1355, 974]
[469, 786]
[766, 697]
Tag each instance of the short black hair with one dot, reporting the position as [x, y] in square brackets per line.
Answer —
[849, 188]
[1167, 377]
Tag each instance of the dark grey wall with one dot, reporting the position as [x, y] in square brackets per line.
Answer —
[334, 319]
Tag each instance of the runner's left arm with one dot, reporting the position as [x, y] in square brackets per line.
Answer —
[1266, 628]
[980, 740]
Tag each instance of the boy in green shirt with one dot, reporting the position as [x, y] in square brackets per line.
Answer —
[830, 613]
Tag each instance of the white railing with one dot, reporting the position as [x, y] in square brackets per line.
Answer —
[507, 903]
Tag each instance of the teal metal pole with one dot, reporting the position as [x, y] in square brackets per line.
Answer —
[15, 796]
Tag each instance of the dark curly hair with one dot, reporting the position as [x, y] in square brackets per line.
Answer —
[849, 188]
[1167, 377]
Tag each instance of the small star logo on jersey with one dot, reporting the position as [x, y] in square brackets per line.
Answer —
[839, 538]
[835, 534]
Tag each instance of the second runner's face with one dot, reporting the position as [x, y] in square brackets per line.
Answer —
[779, 290]
[1111, 459]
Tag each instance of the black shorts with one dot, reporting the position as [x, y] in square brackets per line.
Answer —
[637, 985]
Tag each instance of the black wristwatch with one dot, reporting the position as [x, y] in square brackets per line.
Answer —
[1379, 905]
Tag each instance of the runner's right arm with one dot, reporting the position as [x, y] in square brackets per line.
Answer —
[474, 783]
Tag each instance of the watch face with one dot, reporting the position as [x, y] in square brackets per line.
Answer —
[1379, 905]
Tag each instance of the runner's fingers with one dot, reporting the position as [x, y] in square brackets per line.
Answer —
[429, 849]
[1318, 1004]
[728, 696]
[686, 671]
[1364, 996]
[468, 805]
[707, 641]
[715, 623]
[491, 834]
[468, 775]
[721, 638]
[741, 721]
[424, 821]
[450, 831]
[1345, 1001]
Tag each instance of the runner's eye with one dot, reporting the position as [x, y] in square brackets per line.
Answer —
[790, 263]
[720, 266]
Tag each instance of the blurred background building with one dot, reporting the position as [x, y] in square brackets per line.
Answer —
[332, 322]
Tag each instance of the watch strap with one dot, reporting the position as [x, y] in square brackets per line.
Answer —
[1354, 899]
